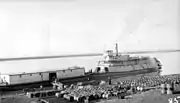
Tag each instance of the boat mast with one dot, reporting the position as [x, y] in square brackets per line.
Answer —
[116, 49]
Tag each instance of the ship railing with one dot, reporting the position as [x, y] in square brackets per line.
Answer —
[3, 83]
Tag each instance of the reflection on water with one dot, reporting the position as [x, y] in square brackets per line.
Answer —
[170, 62]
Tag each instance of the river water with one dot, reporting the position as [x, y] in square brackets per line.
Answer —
[170, 62]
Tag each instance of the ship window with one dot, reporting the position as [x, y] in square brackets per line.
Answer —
[106, 69]
[98, 69]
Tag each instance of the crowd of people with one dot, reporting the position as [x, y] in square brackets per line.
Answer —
[119, 89]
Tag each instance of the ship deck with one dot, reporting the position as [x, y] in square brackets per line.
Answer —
[93, 77]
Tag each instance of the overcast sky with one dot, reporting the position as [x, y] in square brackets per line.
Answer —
[49, 27]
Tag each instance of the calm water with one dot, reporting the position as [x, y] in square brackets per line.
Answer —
[170, 62]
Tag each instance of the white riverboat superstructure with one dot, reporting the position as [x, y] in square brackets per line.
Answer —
[114, 62]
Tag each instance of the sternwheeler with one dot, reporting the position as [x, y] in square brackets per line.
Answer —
[114, 65]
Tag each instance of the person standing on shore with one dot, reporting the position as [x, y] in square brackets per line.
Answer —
[109, 80]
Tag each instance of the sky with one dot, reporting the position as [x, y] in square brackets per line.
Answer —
[54, 27]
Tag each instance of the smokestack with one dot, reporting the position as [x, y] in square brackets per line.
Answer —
[116, 49]
[0, 80]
